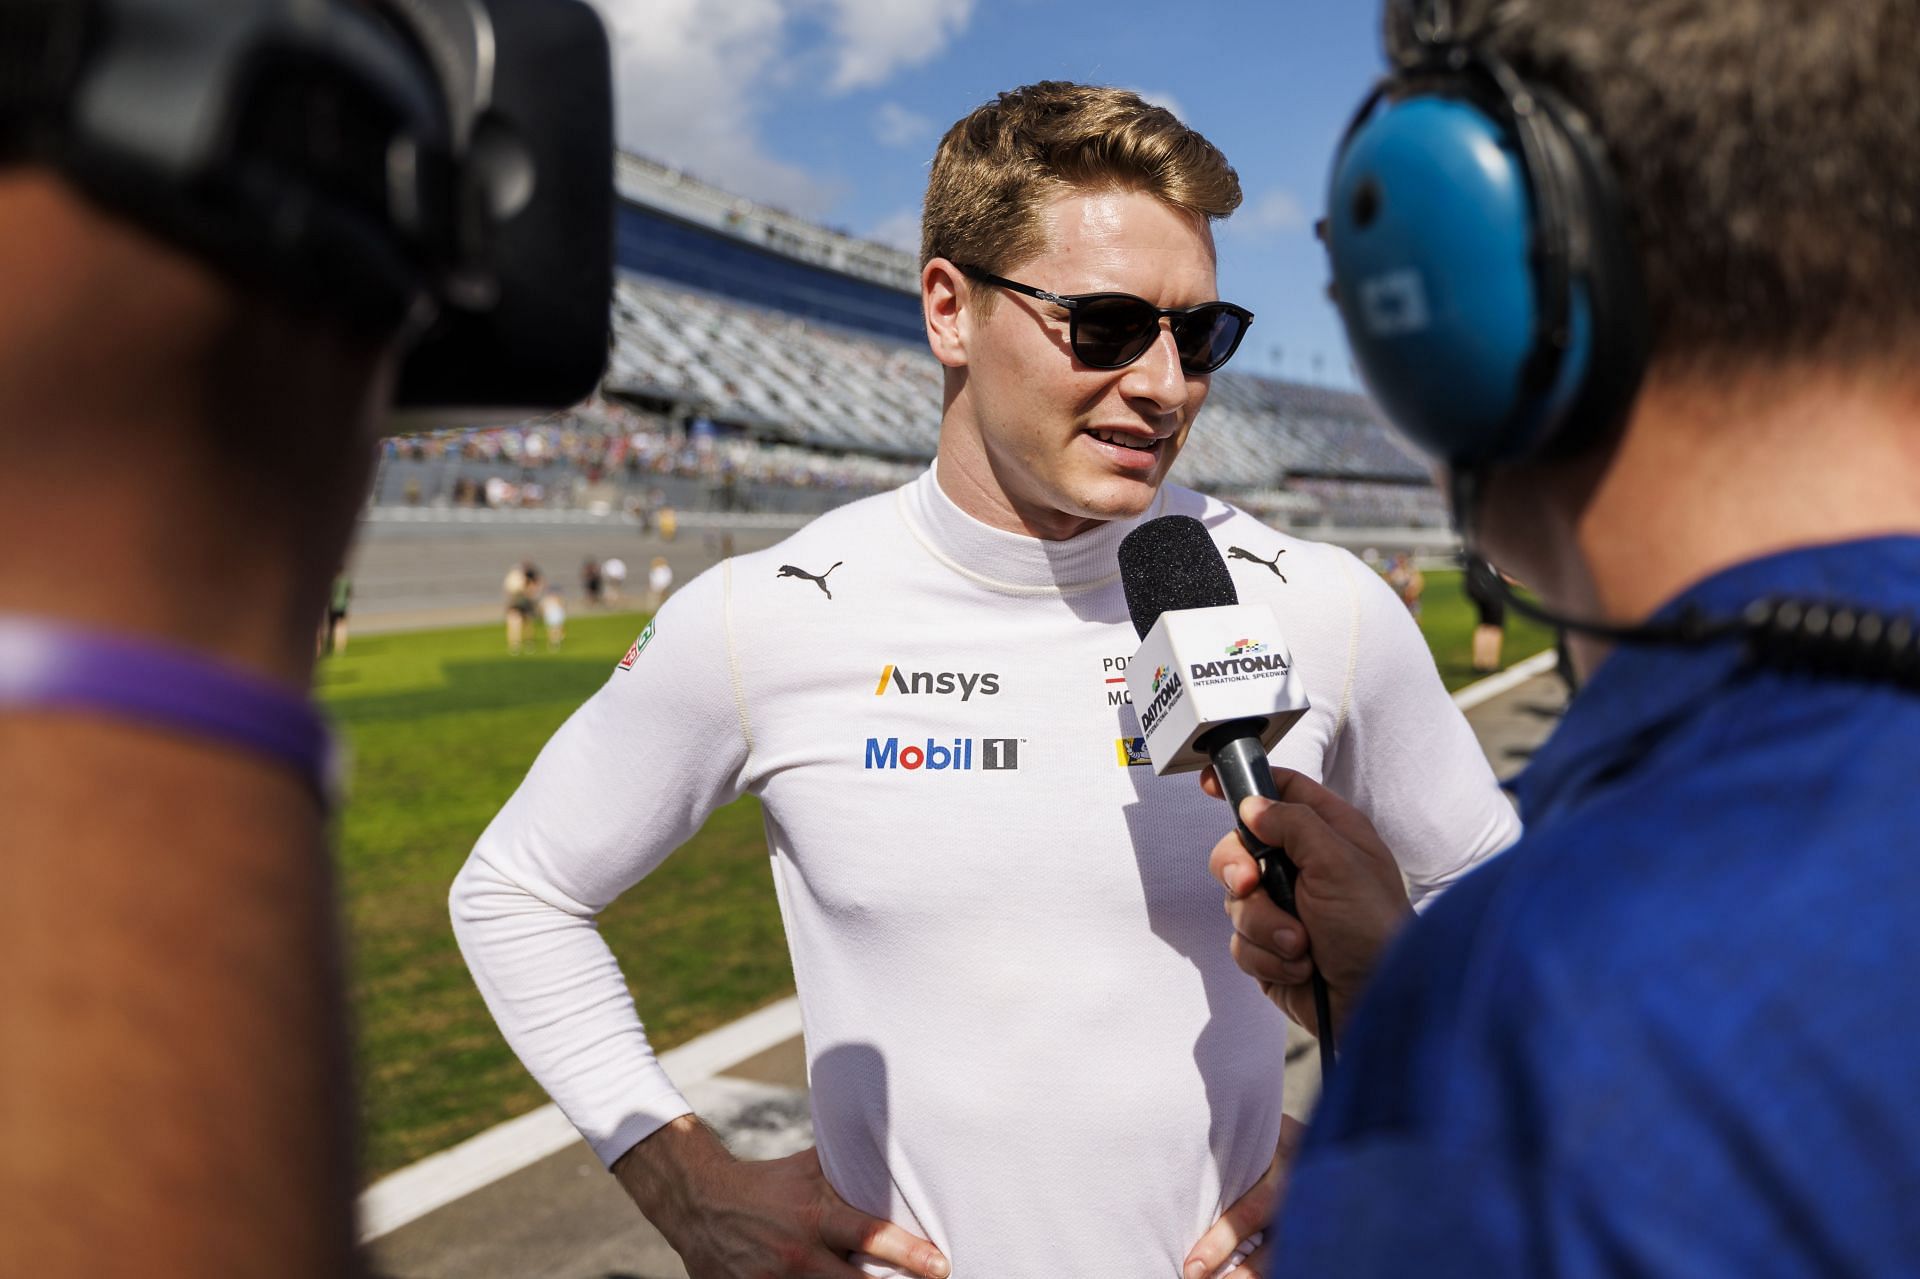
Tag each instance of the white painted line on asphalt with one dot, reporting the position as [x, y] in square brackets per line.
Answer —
[757, 1121]
[1494, 685]
[438, 1180]
[722, 1049]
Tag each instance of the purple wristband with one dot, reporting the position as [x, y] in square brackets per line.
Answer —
[52, 666]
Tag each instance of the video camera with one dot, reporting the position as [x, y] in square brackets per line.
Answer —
[445, 165]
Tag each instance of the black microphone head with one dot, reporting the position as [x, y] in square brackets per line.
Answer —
[1172, 563]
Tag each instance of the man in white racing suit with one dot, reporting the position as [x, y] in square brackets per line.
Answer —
[1030, 1052]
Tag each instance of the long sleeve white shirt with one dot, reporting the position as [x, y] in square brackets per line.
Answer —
[1026, 1038]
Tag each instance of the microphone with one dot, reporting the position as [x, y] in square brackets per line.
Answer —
[1214, 684]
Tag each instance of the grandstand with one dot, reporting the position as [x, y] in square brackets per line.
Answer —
[765, 362]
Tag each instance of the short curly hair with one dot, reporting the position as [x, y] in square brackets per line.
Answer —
[1000, 163]
[1768, 155]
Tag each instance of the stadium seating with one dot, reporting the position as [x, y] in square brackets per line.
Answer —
[762, 362]
[786, 378]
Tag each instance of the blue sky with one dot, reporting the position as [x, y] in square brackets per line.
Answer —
[831, 108]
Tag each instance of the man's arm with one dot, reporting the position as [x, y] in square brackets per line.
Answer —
[630, 776]
[627, 779]
[1406, 756]
[174, 1089]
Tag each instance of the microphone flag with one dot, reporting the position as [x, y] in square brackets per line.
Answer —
[1200, 668]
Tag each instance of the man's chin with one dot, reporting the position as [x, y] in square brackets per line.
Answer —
[1122, 497]
[1097, 499]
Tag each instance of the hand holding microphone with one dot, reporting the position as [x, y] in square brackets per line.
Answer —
[1350, 901]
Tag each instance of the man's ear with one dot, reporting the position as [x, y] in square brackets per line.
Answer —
[947, 306]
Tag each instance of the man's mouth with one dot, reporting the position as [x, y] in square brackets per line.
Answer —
[1143, 443]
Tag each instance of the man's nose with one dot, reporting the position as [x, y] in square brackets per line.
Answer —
[1157, 376]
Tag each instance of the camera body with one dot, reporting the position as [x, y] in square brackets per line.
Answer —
[443, 167]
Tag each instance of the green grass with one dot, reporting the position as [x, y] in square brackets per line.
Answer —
[442, 725]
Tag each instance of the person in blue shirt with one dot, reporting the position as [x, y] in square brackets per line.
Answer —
[1673, 1031]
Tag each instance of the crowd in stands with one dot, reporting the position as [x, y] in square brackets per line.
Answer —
[1370, 504]
[753, 407]
[786, 378]
[606, 451]
[775, 374]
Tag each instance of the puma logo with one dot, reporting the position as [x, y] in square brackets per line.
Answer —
[819, 579]
[1236, 553]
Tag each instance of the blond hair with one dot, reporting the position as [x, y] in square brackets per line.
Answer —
[999, 164]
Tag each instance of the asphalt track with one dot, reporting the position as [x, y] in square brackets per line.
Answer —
[414, 568]
[531, 1201]
[422, 566]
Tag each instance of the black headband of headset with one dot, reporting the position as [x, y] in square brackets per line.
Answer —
[42, 47]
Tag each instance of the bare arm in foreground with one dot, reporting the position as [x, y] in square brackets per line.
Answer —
[180, 464]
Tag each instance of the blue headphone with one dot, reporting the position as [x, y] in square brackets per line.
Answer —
[1493, 301]
[1481, 262]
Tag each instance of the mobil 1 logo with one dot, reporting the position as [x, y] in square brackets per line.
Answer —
[943, 755]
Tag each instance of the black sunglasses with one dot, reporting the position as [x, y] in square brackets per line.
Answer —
[1112, 330]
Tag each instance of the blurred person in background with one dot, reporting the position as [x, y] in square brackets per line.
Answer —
[553, 618]
[1672, 1032]
[1488, 595]
[339, 600]
[916, 686]
[659, 581]
[521, 587]
[616, 574]
[1407, 581]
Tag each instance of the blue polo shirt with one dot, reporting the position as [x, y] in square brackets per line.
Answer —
[1675, 1030]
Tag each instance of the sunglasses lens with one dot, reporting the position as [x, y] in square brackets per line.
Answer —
[1207, 336]
[1110, 332]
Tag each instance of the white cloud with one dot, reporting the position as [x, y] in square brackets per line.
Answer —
[689, 78]
[1153, 97]
[875, 38]
[900, 229]
[1269, 214]
[692, 78]
[896, 126]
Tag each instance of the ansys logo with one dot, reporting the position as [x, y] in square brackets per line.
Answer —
[1241, 646]
[936, 757]
[936, 683]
